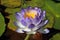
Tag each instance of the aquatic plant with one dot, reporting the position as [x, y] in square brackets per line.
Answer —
[31, 20]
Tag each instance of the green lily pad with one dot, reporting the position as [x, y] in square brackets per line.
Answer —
[12, 17]
[11, 3]
[2, 25]
[54, 8]
[56, 37]
[12, 11]
[33, 3]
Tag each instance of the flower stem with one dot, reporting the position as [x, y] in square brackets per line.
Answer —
[27, 37]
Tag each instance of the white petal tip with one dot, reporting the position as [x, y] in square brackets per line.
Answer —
[20, 25]
[46, 31]
[19, 31]
[34, 33]
[46, 21]
[36, 8]
[27, 29]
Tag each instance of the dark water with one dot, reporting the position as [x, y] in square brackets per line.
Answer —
[56, 1]
[51, 34]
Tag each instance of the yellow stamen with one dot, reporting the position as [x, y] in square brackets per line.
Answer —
[30, 13]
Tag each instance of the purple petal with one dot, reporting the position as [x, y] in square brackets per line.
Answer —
[28, 20]
[29, 8]
[38, 12]
[18, 16]
[31, 26]
[37, 20]
[43, 23]
[23, 22]
[36, 8]
[23, 11]
[43, 15]
[40, 25]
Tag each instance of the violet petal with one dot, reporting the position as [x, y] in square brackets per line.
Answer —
[23, 11]
[31, 26]
[42, 24]
[18, 16]
[23, 22]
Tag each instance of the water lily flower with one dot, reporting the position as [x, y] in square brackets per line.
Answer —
[30, 20]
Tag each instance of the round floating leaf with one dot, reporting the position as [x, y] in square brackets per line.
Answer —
[12, 17]
[54, 8]
[2, 25]
[56, 37]
[11, 3]
[33, 3]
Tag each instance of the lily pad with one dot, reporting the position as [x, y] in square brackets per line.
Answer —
[56, 37]
[54, 8]
[33, 3]
[2, 25]
[12, 17]
[11, 3]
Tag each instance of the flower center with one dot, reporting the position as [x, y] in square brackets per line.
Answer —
[30, 13]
